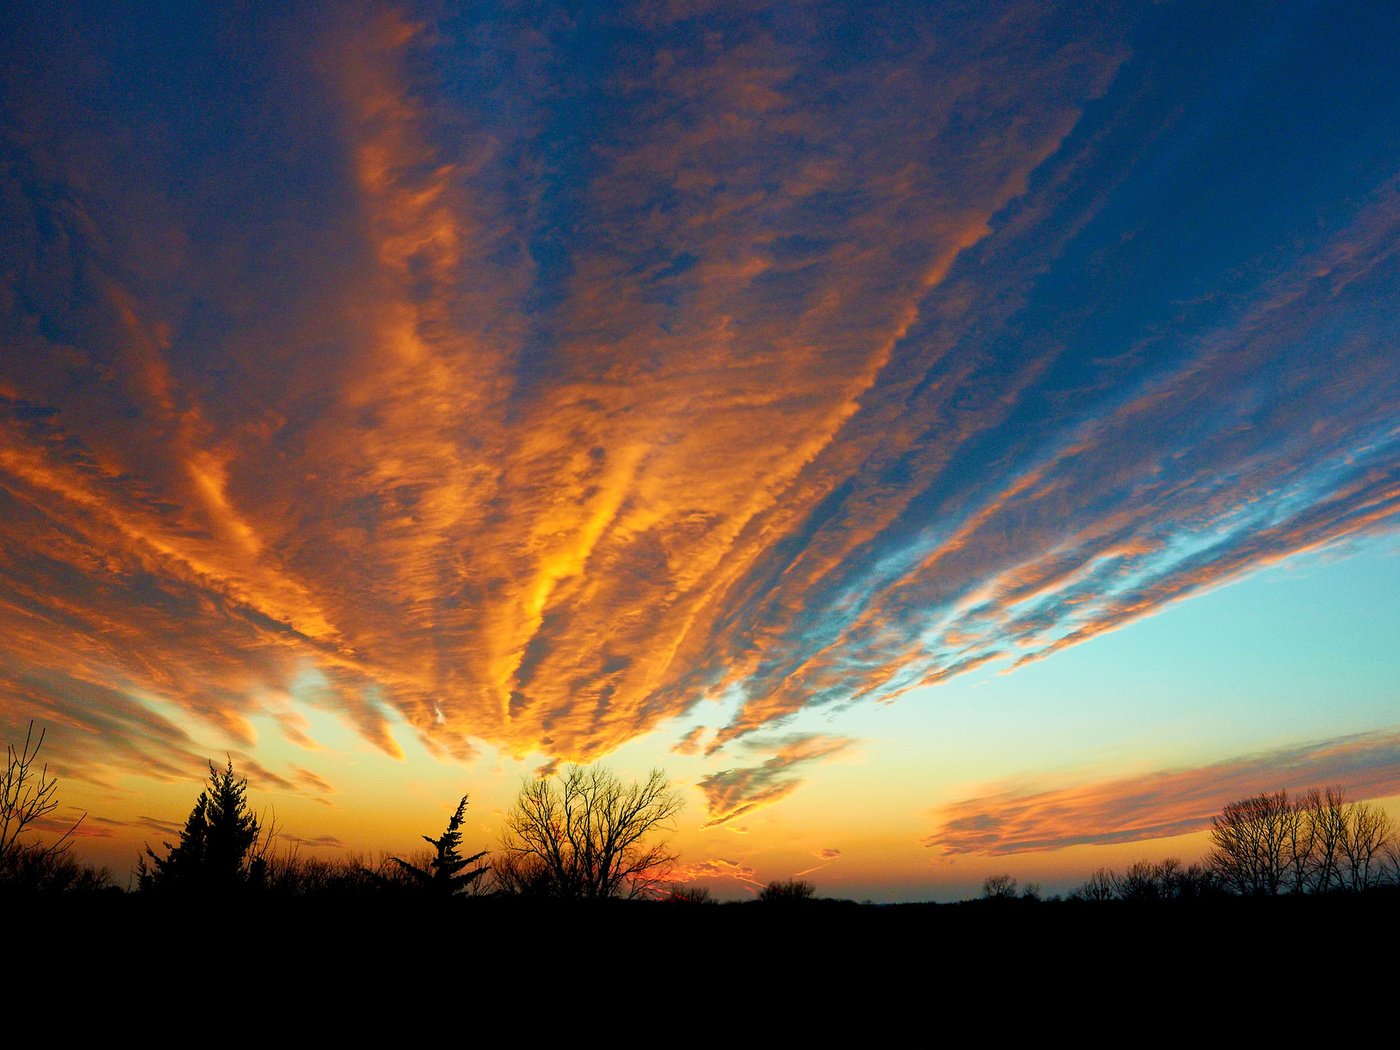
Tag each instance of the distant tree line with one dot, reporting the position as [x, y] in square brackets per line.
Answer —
[1267, 845]
[585, 834]
[581, 835]
[1163, 880]
[1318, 842]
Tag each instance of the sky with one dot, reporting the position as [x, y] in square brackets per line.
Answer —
[948, 439]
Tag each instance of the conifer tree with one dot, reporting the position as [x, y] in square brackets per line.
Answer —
[444, 874]
[217, 851]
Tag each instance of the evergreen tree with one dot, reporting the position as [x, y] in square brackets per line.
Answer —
[217, 851]
[444, 874]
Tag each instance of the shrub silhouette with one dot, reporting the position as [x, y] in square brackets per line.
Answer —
[1147, 880]
[998, 887]
[1100, 886]
[787, 890]
[27, 797]
[682, 894]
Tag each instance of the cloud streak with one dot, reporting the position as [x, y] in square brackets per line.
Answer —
[1017, 819]
[718, 869]
[732, 793]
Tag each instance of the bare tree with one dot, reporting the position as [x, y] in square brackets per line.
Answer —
[1366, 832]
[1325, 812]
[1390, 871]
[1345, 843]
[586, 835]
[1100, 886]
[26, 798]
[787, 890]
[1196, 881]
[521, 875]
[683, 894]
[1145, 881]
[1304, 842]
[998, 887]
[1318, 843]
[1249, 840]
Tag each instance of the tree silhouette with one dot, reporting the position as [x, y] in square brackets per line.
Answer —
[1368, 831]
[443, 874]
[1317, 854]
[1317, 843]
[1250, 842]
[681, 894]
[998, 887]
[220, 849]
[584, 835]
[787, 890]
[1100, 886]
[26, 800]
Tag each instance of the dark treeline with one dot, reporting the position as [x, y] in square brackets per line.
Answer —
[585, 835]
[226, 907]
[1269, 845]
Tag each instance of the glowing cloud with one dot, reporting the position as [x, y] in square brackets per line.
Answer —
[717, 869]
[733, 793]
[1163, 803]
[531, 383]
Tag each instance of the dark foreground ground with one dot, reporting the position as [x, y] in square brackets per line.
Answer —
[824, 952]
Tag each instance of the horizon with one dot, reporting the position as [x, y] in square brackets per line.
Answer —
[948, 442]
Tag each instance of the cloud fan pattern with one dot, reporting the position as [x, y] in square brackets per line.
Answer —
[532, 380]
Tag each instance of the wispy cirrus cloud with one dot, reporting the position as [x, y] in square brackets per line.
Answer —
[105, 827]
[318, 842]
[310, 781]
[1020, 818]
[826, 856]
[718, 869]
[532, 398]
[732, 793]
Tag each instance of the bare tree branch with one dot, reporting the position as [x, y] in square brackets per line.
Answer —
[582, 835]
[26, 798]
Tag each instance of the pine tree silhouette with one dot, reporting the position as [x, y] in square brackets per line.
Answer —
[216, 852]
[444, 875]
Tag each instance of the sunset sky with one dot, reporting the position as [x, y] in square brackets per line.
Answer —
[948, 438]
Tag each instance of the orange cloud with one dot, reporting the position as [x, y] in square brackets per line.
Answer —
[1015, 819]
[690, 743]
[732, 793]
[716, 869]
[826, 856]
